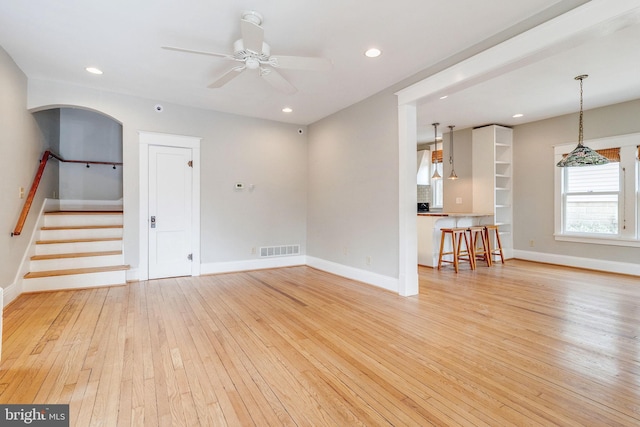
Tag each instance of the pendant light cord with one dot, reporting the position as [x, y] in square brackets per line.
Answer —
[580, 121]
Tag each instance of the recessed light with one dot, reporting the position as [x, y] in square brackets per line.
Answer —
[444, 96]
[287, 110]
[515, 116]
[373, 52]
[94, 70]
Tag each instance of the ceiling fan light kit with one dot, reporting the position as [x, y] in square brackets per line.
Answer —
[255, 54]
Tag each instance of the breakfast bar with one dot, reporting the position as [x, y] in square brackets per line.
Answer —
[430, 224]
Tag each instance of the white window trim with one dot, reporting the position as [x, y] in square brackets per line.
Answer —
[629, 235]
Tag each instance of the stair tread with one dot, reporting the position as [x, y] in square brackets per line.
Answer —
[97, 239]
[68, 272]
[80, 227]
[75, 255]
[83, 213]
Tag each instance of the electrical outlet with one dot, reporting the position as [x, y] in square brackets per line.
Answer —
[531, 243]
[253, 250]
[458, 200]
[368, 260]
[21, 192]
[345, 251]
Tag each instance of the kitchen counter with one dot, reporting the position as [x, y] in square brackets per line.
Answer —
[453, 214]
[430, 224]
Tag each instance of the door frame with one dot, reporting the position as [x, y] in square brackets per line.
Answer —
[147, 139]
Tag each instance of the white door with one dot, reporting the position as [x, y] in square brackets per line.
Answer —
[170, 211]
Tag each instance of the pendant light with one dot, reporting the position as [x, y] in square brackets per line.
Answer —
[435, 175]
[452, 175]
[582, 155]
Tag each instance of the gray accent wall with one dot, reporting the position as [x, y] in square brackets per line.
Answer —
[534, 167]
[87, 135]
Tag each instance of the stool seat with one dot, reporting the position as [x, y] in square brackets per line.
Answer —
[458, 253]
[498, 248]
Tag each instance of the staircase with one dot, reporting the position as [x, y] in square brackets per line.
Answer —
[77, 249]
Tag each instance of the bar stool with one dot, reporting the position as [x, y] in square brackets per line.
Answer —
[498, 249]
[458, 235]
[479, 234]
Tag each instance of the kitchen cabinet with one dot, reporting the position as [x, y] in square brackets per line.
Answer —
[492, 177]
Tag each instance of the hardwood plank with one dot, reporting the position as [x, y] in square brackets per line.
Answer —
[75, 255]
[509, 345]
[98, 239]
[68, 272]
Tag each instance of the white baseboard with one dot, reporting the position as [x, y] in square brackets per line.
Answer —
[133, 275]
[375, 279]
[587, 263]
[9, 294]
[251, 264]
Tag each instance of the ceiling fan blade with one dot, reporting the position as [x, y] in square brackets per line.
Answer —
[227, 77]
[199, 52]
[300, 63]
[252, 36]
[276, 80]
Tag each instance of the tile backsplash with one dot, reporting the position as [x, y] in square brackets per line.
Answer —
[424, 193]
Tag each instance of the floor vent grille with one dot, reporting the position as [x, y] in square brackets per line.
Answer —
[271, 251]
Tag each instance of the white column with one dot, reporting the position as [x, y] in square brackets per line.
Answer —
[408, 232]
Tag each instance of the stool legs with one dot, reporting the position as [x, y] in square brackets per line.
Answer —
[498, 249]
[457, 252]
[480, 252]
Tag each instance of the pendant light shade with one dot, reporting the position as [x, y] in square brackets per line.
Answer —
[582, 155]
[435, 175]
[452, 175]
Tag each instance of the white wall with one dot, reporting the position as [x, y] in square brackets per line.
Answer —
[87, 135]
[21, 147]
[534, 166]
[270, 155]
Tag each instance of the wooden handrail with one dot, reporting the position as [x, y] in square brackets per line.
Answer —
[36, 182]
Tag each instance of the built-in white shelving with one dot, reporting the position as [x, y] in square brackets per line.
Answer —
[492, 174]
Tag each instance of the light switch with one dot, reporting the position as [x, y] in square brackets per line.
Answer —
[458, 200]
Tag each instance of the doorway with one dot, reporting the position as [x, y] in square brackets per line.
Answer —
[169, 206]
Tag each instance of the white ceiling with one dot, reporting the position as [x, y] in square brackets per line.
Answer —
[56, 40]
[545, 87]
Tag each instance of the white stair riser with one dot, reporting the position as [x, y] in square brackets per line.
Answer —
[80, 220]
[83, 233]
[79, 262]
[74, 281]
[69, 248]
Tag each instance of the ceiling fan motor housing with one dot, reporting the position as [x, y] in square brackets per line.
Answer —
[242, 54]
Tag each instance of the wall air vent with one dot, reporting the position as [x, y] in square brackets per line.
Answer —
[271, 251]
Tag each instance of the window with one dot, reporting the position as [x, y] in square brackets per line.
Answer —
[600, 204]
[591, 199]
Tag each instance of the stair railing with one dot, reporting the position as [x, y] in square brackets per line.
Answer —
[36, 182]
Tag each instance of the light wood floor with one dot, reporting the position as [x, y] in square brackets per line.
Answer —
[520, 344]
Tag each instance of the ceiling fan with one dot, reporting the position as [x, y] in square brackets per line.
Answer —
[255, 54]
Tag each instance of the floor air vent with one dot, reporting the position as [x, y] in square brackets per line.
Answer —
[269, 251]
